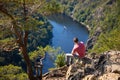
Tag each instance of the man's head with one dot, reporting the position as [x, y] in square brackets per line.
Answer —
[75, 40]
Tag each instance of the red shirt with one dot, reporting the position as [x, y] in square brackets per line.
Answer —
[80, 49]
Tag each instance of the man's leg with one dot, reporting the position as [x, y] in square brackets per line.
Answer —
[76, 58]
[69, 59]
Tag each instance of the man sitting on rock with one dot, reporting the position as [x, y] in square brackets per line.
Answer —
[78, 51]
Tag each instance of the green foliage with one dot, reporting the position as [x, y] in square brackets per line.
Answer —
[109, 39]
[52, 51]
[39, 52]
[6, 40]
[40, 36]
[4, 31]
[60, 60]
[8, 44]
[51, 7]
[107, 42]
[11, 72]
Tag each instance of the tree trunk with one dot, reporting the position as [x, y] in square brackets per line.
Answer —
[28, 63]
[24, 47]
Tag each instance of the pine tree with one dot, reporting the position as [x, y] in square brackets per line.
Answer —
[20, 12]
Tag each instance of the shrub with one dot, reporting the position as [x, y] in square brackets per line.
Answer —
[60, 60]
[11, 72]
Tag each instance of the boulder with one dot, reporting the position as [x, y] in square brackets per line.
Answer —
[90, 77]
[75, 72]
[110, 76]
[114, 68]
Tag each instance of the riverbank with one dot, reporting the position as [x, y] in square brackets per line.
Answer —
[74, 20]
[82, 24]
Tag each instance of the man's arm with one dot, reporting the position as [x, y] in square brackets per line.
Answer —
[73, 51]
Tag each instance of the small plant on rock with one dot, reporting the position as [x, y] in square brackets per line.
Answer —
[60, 60]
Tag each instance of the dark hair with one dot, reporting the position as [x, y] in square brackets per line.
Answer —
[75, 40]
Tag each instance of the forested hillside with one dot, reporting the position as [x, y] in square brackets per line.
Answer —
[103, 19]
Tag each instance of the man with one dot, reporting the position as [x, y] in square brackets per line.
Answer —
[77, 51]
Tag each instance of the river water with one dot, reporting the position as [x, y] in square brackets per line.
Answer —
[64, 30]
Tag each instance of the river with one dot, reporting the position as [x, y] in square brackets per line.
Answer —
[64, 30]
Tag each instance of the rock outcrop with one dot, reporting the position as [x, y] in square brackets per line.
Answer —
[95, 67]
[92, 40]
[56, 74]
